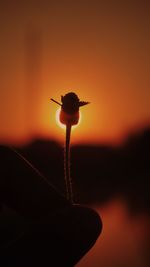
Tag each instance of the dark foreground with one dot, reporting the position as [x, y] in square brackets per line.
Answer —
[40, 227]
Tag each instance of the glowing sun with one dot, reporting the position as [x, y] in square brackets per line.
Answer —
[63, 126]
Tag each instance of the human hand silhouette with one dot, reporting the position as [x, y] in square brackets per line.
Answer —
[47, 229]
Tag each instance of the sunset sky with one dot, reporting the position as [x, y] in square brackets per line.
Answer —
[98, 49]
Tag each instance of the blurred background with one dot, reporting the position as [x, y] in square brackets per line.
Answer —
[100, 50]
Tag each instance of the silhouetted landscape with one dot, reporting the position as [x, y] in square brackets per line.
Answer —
[99, 172]
[65, 54]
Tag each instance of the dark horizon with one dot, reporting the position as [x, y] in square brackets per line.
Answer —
[113, 180]
[99, 172]
[102, 142]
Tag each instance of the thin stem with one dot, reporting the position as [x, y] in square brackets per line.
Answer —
[55, 101]
[68, 180]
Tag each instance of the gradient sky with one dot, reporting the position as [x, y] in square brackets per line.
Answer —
[98, 49]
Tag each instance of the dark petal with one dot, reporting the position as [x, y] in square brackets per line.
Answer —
[82, 103]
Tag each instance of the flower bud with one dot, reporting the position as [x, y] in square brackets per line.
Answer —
[69, 114]
[66, 118]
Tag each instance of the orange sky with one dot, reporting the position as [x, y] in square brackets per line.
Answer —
[98, 49]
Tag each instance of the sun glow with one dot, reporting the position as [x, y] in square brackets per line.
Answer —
[63, 125]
